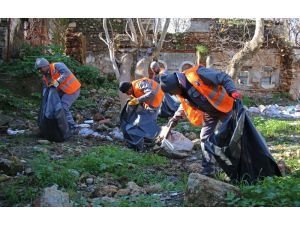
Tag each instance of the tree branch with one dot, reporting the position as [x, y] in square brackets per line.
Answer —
[133, 31]
[249, 49]
[141, 29]
[111, 49]
[159, 45]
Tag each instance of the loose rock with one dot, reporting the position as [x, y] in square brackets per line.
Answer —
[204, 191]
[52, 197]
[44, 142]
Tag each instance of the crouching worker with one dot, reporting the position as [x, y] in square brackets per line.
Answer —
[146, 92]
[67, 85]
[138, 123]
[206, 97]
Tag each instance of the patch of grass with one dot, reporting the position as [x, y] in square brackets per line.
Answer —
[272, 128]
[249, 101]
[136, 201]
[84, 103]
[17, 105]
[48, 172]
[178, 185]
[119, 162]
[18, 192]
[272, 191]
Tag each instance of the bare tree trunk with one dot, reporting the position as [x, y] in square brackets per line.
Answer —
[122, 73]
[111, 49]
[249, 49]
[143, 64]
[125, 68]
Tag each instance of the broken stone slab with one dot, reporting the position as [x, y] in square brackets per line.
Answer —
[52, 197]
[204, 191]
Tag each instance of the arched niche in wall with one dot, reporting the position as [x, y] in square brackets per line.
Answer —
[162, 65]
[186, 65]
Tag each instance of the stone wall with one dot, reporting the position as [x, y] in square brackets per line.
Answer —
[295, 87]
[92, 50]
[263, 73]
[3, 37]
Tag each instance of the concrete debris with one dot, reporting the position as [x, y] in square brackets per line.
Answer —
[15, 132]
[276, 111]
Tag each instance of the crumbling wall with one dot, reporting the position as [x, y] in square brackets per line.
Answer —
[266, 72]
[295, 82]
[3, 38]
[92, 50]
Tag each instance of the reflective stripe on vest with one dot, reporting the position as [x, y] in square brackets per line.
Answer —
[70, 85]
[158, 93]
[216, 95]
[155, 92]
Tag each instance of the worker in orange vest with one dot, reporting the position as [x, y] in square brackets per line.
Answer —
[206, 97]
[67, 85]
[144, 91]
[157, 71]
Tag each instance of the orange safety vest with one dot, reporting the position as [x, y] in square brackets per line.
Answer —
[159, 94]
[69, 85]
[216, 95]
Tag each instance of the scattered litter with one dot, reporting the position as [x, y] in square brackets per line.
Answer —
[275, 111]
[83, 125]
[88, 121]
[86, 132]
[15, 132]
[108, 138]
[117, 134]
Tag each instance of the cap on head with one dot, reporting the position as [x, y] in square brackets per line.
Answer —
[169, 82]
[125, 86]
[41, 62]
[154, 66]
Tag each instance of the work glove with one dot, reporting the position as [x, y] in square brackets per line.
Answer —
[133, 101]
[173, 121]
[55, 84]
[236, 95]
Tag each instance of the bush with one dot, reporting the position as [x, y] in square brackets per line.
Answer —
[24, 65]
[272, 191]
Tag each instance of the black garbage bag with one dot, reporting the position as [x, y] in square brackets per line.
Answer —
[240, 149]
[138, 124]
[52, 119]
[169, 105]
